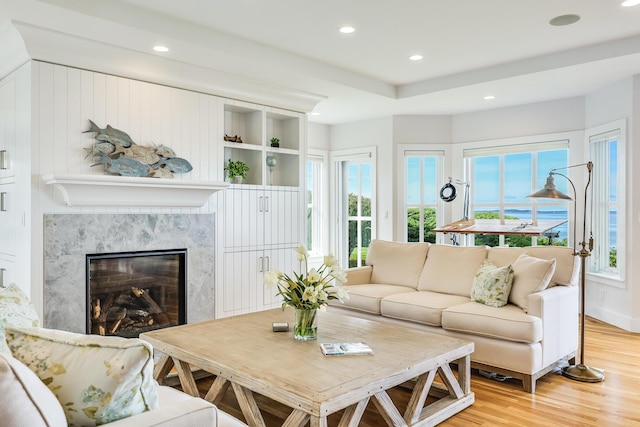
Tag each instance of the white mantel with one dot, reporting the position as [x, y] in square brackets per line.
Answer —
[120, 191]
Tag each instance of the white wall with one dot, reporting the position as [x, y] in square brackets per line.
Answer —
[373, 133]
[319, 136]
[523, 120]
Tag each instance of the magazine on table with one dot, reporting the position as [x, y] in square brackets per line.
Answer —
[345, 348]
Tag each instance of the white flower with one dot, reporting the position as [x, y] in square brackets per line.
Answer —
[302, 252]
[330, 260]
[310, 294]
[313, 276]
[342, 293]
[271, 278]
[339, 275]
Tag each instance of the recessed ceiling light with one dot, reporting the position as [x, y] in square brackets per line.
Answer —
[562, 20]
[160, 48]
[313, 113]
[347, 30]
[415, 57]
[629, 3]
[489, 97]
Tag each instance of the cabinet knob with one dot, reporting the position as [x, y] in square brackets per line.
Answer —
[2, 270]
[4, 159]
[3, 202]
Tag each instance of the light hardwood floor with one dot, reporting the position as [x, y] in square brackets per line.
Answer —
[558, 401]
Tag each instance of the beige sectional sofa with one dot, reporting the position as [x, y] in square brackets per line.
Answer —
[435, 287]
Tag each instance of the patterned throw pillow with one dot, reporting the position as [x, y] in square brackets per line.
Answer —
[96, 379]
[15, 310]
[492, 285]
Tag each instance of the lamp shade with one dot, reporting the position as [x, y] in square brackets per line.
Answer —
[549, 191]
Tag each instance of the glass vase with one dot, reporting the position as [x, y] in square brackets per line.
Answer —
[305, 327]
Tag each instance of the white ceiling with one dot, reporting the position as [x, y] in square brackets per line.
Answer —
[471, 48]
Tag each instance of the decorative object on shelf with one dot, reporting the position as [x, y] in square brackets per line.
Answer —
[236, 171]
[234, 138]
[275, 142]
[120, 155]
[580, 371]
[272, 161]
[308, 291]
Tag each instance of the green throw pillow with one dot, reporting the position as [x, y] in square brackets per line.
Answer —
[492, 285]
[96, 379]
[15, 310]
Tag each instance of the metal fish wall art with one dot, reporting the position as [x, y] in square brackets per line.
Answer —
[120, 155]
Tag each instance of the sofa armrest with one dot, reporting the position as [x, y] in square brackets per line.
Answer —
[558, 309]
[189, 412]
[359, 275]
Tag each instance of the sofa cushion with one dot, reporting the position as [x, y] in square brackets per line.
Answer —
[451, 269]
[531, 275]
[367, 297]
[492, 285]
[96, 379]
[507, 323]
[15, 310]
[24, 399]
[567, 265]
[421, 307]
[396, 263]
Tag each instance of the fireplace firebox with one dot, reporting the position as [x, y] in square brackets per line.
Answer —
[134, 292]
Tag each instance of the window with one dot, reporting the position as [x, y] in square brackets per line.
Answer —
[606, 144]
[355, 201]
[502, 178]
[422, 174]
[316, 202]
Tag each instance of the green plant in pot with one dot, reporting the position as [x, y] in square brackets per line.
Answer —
[236, 171]
[275, 142]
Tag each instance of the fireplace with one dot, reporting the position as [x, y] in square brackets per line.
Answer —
[133, 292]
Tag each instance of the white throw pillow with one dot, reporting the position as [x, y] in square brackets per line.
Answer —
[24, 399]
[396, 263]
[96, 379]
[15, 310]
[492, 285]
[531, 275]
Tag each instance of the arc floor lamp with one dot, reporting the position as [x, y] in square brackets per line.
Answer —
[580, 371]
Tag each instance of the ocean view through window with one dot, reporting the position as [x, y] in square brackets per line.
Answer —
[501, 182]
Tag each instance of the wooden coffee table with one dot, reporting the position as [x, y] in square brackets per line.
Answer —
[243, 352]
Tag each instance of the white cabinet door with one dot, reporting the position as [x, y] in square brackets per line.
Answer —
[238, 292]
[8, 274]
[7, 127]
[285, 260]
[243, 219]
[282, 217]
[242, 289]
[8, 219]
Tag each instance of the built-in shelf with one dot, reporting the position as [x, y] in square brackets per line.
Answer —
[120, 191]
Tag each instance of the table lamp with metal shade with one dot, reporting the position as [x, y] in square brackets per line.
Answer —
[580, 371]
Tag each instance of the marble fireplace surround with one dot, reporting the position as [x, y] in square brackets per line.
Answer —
[69, 237]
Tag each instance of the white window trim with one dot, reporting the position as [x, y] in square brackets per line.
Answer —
[574, 139]
[321, 202]
[439, 150]
[614, 280]
[336, 157]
